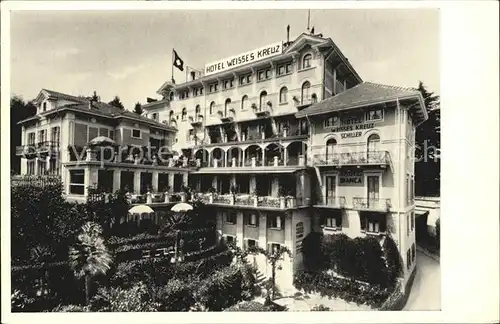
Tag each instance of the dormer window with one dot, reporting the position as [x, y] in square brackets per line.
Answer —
[306, 61]
[44, 105]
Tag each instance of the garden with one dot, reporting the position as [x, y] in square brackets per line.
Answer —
[363, 270]
[69, 257]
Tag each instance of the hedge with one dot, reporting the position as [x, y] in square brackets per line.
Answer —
[347, 289]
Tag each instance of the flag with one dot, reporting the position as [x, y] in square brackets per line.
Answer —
[178, 62]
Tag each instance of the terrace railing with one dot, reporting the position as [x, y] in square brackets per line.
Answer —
[371, 204]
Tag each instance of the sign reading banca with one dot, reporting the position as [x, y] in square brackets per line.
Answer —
[245, 58]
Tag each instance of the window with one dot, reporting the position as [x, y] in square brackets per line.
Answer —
[252, 220]
[112, 134]
[412, 221]
[212, 108]
[214, 87]
[184, 114]
[245, 79]
[306, 61]
[332, 121]
[54, 167]
[273, 248]
[136, 133]
[275, 222]
[31, 167]
[228, 84]
[184, 94]
[230, 217]
[412, 190]
[373, 144]
[373, 223]
[171, 96]
[314, 98]
[264, 74]
[408, 224]
[306, 87]
[42, 167]
[77, 182]
[333, 221]
[55, 134]
[250, 243]
[281, 70]
[283, 95]
[408, 257]
[31, 138]
[244, 102]
[413, 252]
[155, 116]
[262, 101]
[227, 106]
[284, 69]
[230, 239]
[44, 106]
[374, 115]
[197, 110]
[198, 91]
[288, 68]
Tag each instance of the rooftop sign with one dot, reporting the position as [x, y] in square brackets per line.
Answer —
[245, 58]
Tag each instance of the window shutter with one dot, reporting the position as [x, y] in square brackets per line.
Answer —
[278, 222]
[338, 221]
[383, 223]
[253, 219]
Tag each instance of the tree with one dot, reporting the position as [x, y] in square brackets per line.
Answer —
[428, 143]
[89, 256]
[138, 108]
[95, 97]
[19, 110]
[116, 102]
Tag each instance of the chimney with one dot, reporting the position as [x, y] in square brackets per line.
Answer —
[193, 75]
[288, 34]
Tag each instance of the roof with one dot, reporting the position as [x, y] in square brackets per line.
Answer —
[363, 94]
[102, 109]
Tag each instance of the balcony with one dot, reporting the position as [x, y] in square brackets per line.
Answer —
[380, 158]
[47, 146]
[371, 204]
[196, 121]
[26, 150]
[262, 112]
[246, 200]
[336, 202]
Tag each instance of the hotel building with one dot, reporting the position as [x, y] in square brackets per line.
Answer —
[288, 139]
[93, 144]
[282, 141]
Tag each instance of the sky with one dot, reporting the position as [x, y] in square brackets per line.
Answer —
[129, 53]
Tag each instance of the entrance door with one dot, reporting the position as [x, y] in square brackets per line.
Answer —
[373, 190]
[331, 183]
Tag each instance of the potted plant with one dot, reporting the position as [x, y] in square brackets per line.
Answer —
[233, 191]
[282, 195]
[167, 191]
[254, 106]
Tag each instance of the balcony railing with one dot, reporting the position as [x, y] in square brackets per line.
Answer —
[334, 202]
[371, 204]
[24, 150]
[46, 146]
[354, 158]
[254, 201]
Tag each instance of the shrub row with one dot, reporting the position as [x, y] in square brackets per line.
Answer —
[347, 289]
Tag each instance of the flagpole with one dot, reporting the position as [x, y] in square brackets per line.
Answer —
[172, 65]
[308, 18]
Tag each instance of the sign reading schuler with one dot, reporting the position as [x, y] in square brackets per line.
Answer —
[245, 58]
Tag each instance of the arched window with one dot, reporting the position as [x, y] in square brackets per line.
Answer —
[212, 108]
[171, 96]
[306, 61]
[244, 102]
[171, 114]
[226, 106]
[283, 95]
[263, 98]
[197, 110]
[373, 144]
[314, 98]
[330, 148]
[306, 87]
[44, 106]
[184, 114]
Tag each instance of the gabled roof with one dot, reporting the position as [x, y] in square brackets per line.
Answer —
[59, 95]
[361, 95]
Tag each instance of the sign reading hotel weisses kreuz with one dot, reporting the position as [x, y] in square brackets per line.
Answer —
[244, 58]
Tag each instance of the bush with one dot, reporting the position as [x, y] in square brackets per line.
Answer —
[71, 308]
[176, 296]
[134, 299]
[347, 289]
[248, 306]
[320, 308]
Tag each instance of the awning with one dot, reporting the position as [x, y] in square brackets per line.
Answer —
[141, 209]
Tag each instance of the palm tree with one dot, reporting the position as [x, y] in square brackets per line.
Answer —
[89, 256]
